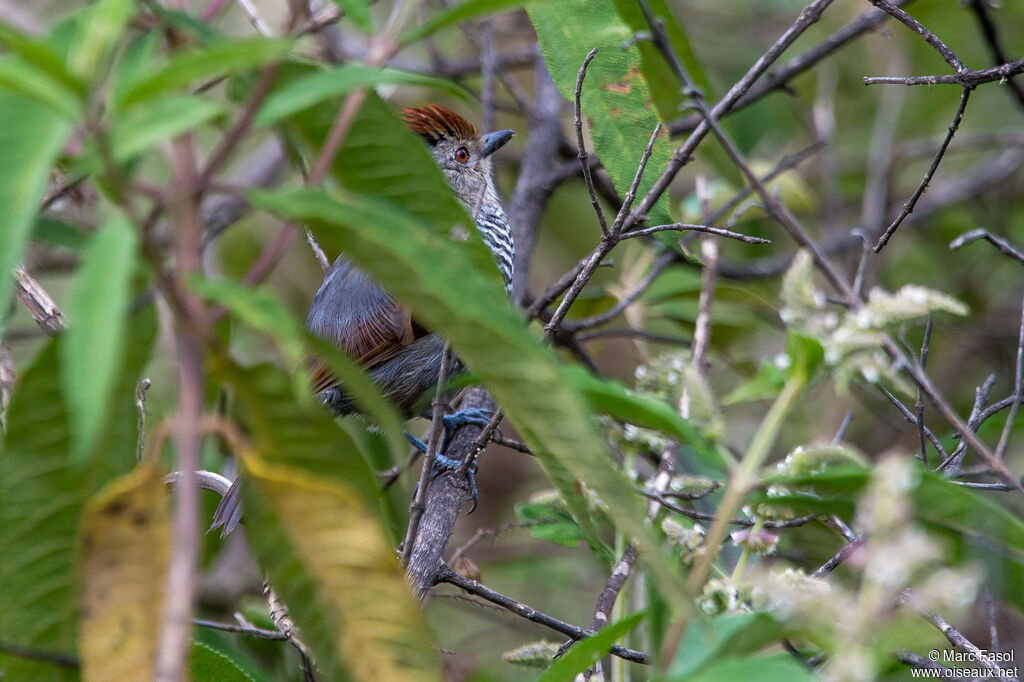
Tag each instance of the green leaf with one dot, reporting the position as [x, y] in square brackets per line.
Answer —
[156, 120]
[764, 385]
[209, 665]
[611, 398]
[39, 55]
[196, 64]
[462, 12]
[425, 271]
[805, 353]
[666, 89]
[96, 309]
[359, 12]
[585, 652]
[58, 233]
[17, 76]
[711, 638]
[312, 89]
[332, 562]
[31, 137]
[263, 311]
[102, 25]
[556, 524]
[777, 668]
[616, 100]
[42, 500]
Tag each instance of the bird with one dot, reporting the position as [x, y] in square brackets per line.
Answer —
[352, 311]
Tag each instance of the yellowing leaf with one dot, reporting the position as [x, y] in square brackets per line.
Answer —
[378, 631]
[125, 552]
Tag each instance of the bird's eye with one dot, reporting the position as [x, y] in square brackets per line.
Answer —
[462, 155]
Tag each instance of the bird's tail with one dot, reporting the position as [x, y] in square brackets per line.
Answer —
[229, 511]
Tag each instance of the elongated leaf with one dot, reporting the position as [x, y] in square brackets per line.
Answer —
[461, 12]
[314, 88]
[31, 136]
[40, 55]
[778, 668]
[31, 82]
[584, 653]
[102, 24]
[154, 121]
[95, 338]
[125, 554]
[359, 12]
[42, 500]
[611, 398]
[432, 275]
[615, 99]
[262, 311]
[666, 89]
[209, 665]
[336, 569]
[710, 638]
[193, 65]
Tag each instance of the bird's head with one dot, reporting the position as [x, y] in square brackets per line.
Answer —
[461, 152]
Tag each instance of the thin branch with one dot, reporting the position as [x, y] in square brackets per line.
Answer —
[999, 56]
[31, 654]
[627, 202]
[659, 266]
[707, 229]
[1003, 245]
[970, 78]
[918, 28]
[777, 79]
[1004, 438]
[447, 575]
[581, 145]
[439, 406]
[912, 420]
[37, 302]
[919, 406]
[908, 207]
[248, 630]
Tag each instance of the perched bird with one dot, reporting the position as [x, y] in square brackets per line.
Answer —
[363, 319]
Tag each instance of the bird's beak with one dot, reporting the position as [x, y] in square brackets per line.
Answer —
[496, 140]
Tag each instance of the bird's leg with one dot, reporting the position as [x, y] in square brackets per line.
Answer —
[453, 421]
[444, 463]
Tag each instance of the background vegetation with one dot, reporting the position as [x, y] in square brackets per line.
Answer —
[764, 450]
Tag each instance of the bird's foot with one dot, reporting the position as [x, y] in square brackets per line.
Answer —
[443, 463]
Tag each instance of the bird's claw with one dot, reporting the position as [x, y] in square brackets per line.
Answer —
[443, 463]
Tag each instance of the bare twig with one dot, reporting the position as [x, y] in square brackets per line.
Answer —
[999, 56]
[581, 146]
[447, 575]
[919, 406]
[1004, 438]
[37, 302]
[777, 79]
[662, 262]
[908, 207]
[969, 78]
[706, 229]
[918, 28]
[54, 657]
[911, 419]
[1003, 245]
[439, 406]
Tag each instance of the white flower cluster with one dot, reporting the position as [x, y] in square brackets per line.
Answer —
[852, 339]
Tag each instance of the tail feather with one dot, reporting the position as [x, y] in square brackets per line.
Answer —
[229, 511]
